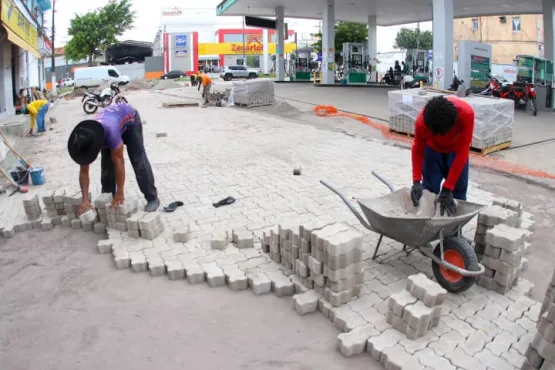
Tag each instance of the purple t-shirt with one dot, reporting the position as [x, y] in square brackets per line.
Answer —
[116, 119]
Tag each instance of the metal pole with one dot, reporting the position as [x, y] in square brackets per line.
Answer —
[244, 46]
[54, 92]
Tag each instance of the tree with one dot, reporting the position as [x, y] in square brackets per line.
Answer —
[98, 29]
[413, 39]
[344, 32]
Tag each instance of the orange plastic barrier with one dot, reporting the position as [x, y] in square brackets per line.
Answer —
[330, 111]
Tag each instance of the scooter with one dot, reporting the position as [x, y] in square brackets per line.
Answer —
[520, 92]
[456, 83]
[92, 101]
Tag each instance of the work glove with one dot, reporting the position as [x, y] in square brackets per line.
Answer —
[416, 193]
[446, 202]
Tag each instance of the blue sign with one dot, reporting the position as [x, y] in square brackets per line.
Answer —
[319, 57]
[430, 55]
[180, 41]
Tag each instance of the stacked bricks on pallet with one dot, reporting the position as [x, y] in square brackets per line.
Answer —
[540, 355]
[417, 309]
[253, 93]
[117, 217]
[32, 207]
[502, 258]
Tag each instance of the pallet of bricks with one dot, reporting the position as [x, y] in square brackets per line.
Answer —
[540, 355]
[501, 243]
[325, 260]
[493, 124]
[253, 93]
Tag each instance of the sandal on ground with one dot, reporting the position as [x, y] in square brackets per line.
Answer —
[224, 202]
[173, 206]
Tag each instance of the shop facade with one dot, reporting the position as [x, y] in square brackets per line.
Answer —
[20, 59]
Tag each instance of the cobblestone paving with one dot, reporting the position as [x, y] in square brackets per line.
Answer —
[212, 153]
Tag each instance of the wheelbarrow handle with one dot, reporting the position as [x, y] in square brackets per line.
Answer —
[348, 204]
[384, 180]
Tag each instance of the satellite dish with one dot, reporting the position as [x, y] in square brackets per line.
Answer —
[314, 56]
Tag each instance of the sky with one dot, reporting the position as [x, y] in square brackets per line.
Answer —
[148, 20]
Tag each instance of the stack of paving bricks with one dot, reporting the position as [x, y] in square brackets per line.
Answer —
[146, 225]
[32, 207]
[501, 245]
[253, 93]
[117, 217]
[417, 309]
[54, 203]
[540, 355]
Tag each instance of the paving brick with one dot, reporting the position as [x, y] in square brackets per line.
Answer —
[219, 240]
[345, 284]
[122, 261]
[514, 358]
[244, 239]
[447, 343]
[462, 360]
[324, 307]
[282, 286]
[347, 320]
[533, 358]
[156, 267]
[427, 291]
[76, 224]
[345, 273]
[396, 358]
[139, 264]
[339, 298]
[495, 215]
[418, 315]
[505, 237]
[301, 268]
[342, 243]
[104, 246]
[315, 266]
[99, 228]
[396, 322]
[544, 348]
[306, 302]
[429, 358]
[343, 260]
[492, 252]
[237, 280]
[176, 270]
[364, 302]
[195, 274]
[475, 342]
[377, 344]
[397, 302]
[547, 329]
[354, 342]
[501, 343]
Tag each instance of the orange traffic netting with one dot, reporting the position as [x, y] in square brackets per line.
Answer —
[330, 111]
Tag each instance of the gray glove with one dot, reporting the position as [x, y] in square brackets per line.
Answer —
[416, 193]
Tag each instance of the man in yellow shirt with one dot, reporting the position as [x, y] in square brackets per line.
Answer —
[206, 83]
[36, 110]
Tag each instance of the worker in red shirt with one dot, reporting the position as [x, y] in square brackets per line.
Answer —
[442, 138]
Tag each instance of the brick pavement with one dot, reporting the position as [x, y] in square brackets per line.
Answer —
[212, 153]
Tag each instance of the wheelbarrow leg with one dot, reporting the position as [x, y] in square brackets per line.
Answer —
[377, 247]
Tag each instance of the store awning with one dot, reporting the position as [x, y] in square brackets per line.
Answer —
[21, 43]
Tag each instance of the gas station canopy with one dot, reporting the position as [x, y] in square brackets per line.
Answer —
[387, 12]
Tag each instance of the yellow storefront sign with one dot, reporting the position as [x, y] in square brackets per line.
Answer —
[20, 31]
[229, 48]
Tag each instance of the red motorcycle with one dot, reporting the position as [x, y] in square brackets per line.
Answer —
[520, 92]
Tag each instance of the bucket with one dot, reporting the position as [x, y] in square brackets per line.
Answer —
[20, 176]
[37, 175]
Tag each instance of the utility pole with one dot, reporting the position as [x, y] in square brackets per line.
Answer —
[54, 92]
[244, 46]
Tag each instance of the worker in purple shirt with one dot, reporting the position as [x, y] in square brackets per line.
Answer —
[115, 126]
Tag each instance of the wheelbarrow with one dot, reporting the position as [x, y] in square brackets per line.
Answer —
[454, 261]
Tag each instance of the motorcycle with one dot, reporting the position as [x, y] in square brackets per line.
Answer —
[455, 83]
[92, 101]
[521, 93]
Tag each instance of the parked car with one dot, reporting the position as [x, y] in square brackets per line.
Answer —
[66, 82]
[95, 76]
[172, 75]
[230, 72]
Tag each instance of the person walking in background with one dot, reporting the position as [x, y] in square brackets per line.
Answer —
[37, 111]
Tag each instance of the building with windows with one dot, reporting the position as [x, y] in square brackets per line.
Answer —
[23, 45]
[509, 36]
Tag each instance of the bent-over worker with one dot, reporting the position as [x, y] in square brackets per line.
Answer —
[37, 111]
[442, 138]
[206, 83]
[115, 126]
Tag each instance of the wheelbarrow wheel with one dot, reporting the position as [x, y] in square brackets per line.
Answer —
[457, 252]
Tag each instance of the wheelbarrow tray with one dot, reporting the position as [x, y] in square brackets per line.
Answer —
[394, 215]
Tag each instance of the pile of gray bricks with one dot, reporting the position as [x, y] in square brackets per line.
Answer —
[252, 93]
[540, 355]
[100, 204]
[54, 203]
[549, 300]
[502, 258]
[32, 207]
[117, 217]
[145, 225]
[487, 219]
[325, 258]
[417, 309]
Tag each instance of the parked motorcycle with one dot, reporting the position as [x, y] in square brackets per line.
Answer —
[92, 101]
[455, 83]
[521, 93]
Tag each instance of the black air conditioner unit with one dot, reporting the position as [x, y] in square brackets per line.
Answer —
[503, 19]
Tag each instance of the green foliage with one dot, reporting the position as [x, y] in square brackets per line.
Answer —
[413, 39]
[98, 29]
[344, 32]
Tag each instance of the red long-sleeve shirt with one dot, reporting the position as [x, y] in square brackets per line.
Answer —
[457, 140]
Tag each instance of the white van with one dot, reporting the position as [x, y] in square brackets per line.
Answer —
[95, 76]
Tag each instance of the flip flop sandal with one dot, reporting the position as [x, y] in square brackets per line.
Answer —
[173, 206]
[224, 202]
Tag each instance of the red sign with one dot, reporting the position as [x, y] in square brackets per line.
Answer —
[175, 12]
[510, 71]
[47, 43]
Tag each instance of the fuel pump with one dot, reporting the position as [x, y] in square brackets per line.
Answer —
[355, 63]
[302, 66]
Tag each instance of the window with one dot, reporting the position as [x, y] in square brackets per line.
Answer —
[234, 38]
[475, 24]
[516, 24]
[112, 73]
